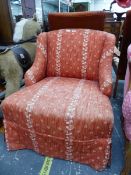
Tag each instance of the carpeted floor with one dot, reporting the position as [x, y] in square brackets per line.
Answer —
[26, 162]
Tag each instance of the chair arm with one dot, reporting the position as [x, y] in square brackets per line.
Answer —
[105, 66]
[38, 69]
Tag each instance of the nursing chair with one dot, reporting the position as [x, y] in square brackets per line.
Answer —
[126, 109]
[64, 111]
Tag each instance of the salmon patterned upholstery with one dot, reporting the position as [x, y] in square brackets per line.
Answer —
[38, 70]
[75, 53]
[72, 60]
[64, 112]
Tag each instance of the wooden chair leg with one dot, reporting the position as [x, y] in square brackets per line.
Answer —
[115, 88]
[127, 167]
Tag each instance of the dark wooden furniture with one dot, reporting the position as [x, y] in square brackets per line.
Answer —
[109, 15]
[114, 28]
[127, 166]
[126, 40]
[89, 20]
[6, 23]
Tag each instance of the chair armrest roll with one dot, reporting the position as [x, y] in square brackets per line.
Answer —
[105, 66]
[38, 69]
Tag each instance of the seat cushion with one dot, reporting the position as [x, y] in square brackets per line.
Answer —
[66, 118]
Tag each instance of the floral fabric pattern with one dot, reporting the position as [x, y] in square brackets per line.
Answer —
[74, 53]
[56, 116]
[79, 53]
[38, 69]
[105, 68]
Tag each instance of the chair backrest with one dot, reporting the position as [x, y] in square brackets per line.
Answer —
[89, 20]
[76, 53]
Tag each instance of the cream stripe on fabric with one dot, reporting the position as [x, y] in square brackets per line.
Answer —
[31, 76]
[107, 53]
[28, 112]
[58, 49]
[6, 135]
[43, 49]
[107, 153]
[70, 114]
[84, 54]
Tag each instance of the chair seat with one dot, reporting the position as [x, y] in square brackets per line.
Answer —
[56, 117]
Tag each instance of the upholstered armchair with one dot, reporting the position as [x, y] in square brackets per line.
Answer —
[64, 111]
[126, 109]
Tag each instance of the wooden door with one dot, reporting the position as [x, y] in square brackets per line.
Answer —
[6, 25]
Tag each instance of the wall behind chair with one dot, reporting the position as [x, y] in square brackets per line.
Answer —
[101, 4]
[105, 4]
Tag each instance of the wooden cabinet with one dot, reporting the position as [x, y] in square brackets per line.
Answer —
[6, 24]
[113, 27]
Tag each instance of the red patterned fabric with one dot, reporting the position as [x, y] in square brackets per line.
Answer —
[75, 53]
[63, 112]
[59, 120]
[71, 53]
[38, 69]
[105, 68]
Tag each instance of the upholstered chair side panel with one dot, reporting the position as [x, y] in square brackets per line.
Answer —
[105, 66]
[38, 69]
